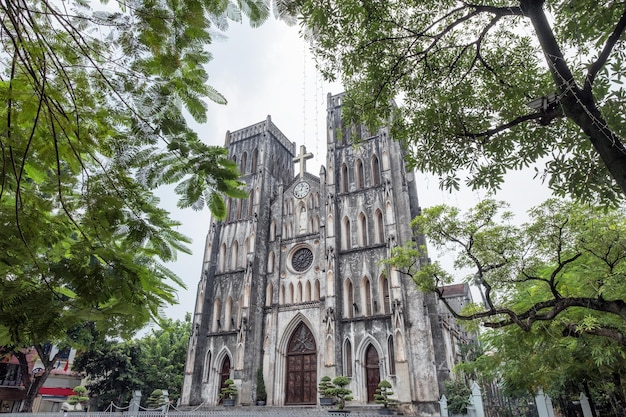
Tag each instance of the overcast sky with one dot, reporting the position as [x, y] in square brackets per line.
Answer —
[269, 71]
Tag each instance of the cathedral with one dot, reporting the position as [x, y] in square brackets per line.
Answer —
[292, 281]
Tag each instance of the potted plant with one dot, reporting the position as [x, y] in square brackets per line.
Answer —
[228, 393]
[324, 387]
[79, 398]
[156, 400]
[381, 396]
[261, 394]
[340, 392]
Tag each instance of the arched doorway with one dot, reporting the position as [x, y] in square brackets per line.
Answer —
[224, 373]
[301, 375]
[372, 372]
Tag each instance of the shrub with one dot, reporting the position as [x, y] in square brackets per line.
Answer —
[458, 395]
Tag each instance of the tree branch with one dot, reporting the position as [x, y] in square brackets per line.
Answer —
[595, 66]
[573, 330]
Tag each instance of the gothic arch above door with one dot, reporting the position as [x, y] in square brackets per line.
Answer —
[301, 369]
[224, 374]
[372, 372]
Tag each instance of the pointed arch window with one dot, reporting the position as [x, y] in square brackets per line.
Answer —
[367, 297]
[391, 356]
[344, 178]
[360, 177]
[255, 160]
[346, 235]
[217, 312]
[291, 294]
[349, 299]
[246, 246]
[316, 290]
[244, 157]
[234, 255]
[384, 294]
[228, 314]
[379, 226]
[273, 231]
[375, 171]
[299, 293]
[222, 261]
[251, 203]
[347, 359]
[362, 230]
[239, 206]
[207, 366]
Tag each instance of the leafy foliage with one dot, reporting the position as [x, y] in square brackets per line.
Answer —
[458, 395]
[568, 256]
[163, 354]
[340, 391]
[154, 362]
[324, 387]
[261, 393]
[91, 123]
[229, 390]
[156, 399]
[552, 289]
[114, 371]
[486, 87]
[80, 395]
[383, 394]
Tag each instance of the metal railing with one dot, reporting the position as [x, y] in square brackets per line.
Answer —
[217, 412]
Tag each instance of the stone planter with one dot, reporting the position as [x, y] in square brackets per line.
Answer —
[327, 401]
[228, 402]
[339, 413]
[260, 403]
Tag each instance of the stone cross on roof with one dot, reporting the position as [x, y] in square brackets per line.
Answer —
[302, 159]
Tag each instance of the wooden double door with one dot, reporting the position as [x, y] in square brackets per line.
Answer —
[372, 372]
[301, 374]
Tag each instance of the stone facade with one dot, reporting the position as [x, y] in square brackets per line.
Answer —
[292, 281]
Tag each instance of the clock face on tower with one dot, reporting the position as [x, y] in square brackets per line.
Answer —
[301, 190]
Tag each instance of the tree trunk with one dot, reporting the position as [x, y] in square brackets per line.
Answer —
[579, 106]
[33, 383]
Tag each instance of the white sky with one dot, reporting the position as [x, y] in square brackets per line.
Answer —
[269, 71]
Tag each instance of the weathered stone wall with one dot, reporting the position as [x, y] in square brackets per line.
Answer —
[351, 217]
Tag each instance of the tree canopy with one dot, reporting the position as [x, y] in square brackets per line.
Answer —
[93, 121]
[552, 292]
[568, 258]
[155, 361]
[561, 365]
[486, 87]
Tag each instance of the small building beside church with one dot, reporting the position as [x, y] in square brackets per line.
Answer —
[292, 281]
